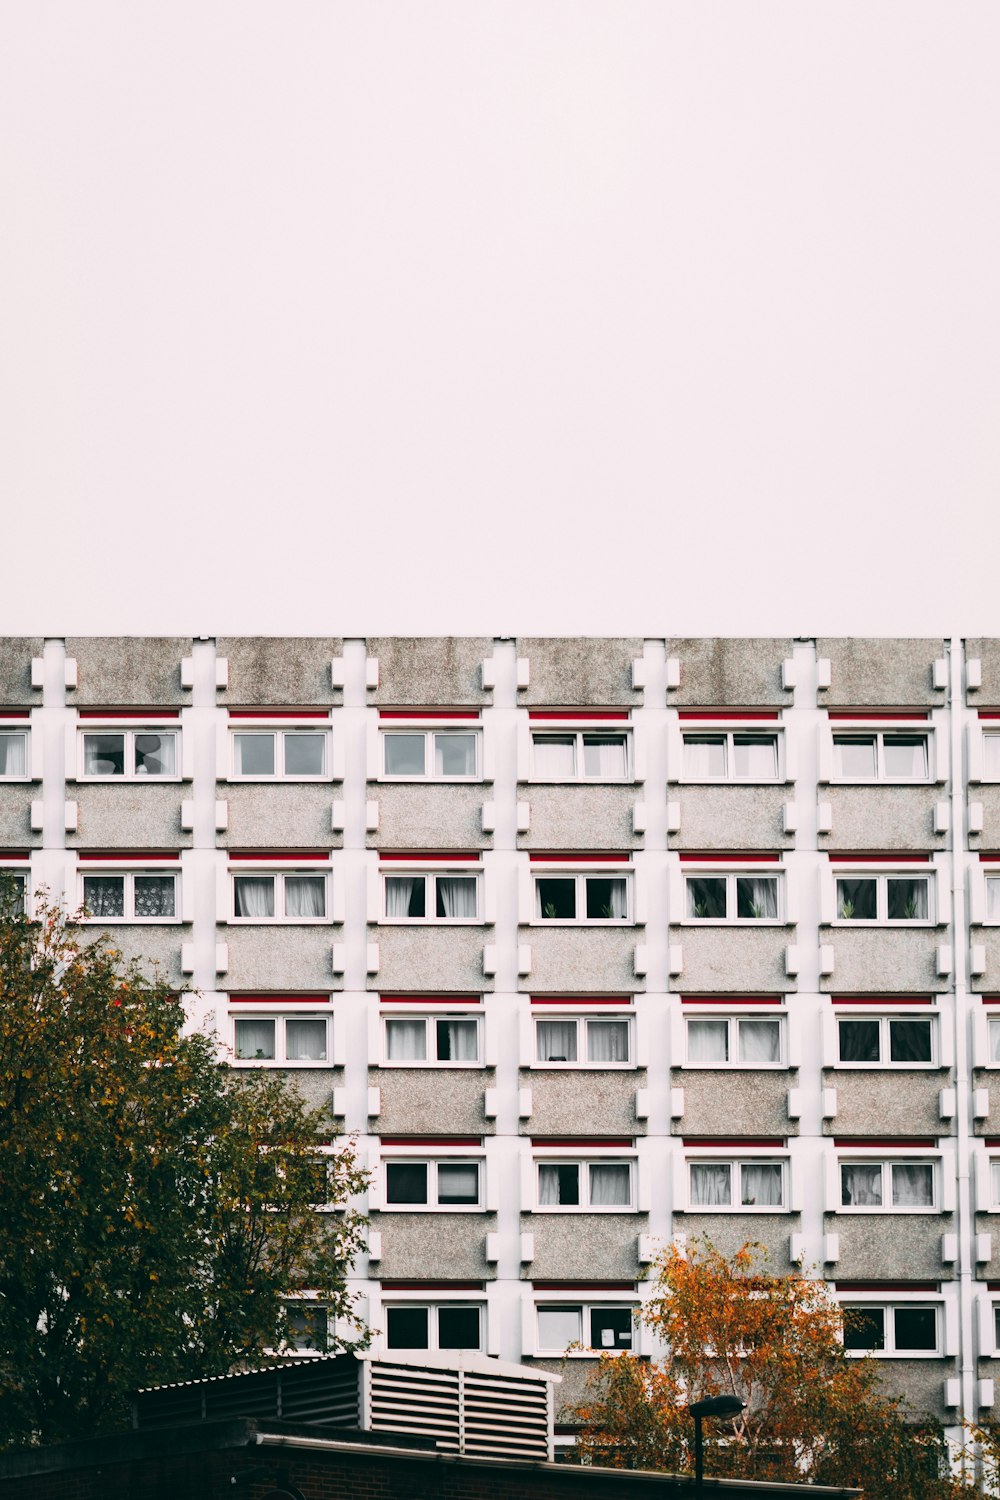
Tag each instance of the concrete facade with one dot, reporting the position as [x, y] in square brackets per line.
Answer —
[740, 1023]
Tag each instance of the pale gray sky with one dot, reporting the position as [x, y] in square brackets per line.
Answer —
[461, 315]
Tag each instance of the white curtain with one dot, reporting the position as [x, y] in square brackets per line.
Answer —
[406, 1041]
[154, 755]
[756, 758]
[255, 1039]
[991, 756]
[912, 1185]
[399, 893]
[12, 755]
[619, 901]
[757, 898]
[554, 757]
[254, 754]
[305, 1041]
[455, 754]
[456, 896]
[548, 1184]
[104, 895]
[558, 1327]
[708, 1041]
[255, 895]
[760, 1041]
[610, 1186]
[305, 896]
[704, 757]
[995, 1176]
[995, 1041]
[457, 1041]
[458, 1182]
[607, 900]
[905, 756]
[154, 896]
[761, 1185]
[861, 1186]
[556, 1041]
[993, 897]
[603, 758]
[607, 1041]
[711, 1184]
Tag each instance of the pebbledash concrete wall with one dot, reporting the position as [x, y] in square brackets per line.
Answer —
[505, 1105]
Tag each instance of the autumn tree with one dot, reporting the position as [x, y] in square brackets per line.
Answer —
[158, 1207]
[812, 1412]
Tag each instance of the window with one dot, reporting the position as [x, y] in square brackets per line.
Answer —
[884, 898]
[993, 898]
[595, 1326]
[994, 1040]
[308, 1324]
[901, 1328]
[298, 1039]
[995, 1182]
[590, 1186]
[447, 1184]
[751, 1184]
[583, 1041]
[431, 754]
[432, 898]
[279, 754]
[878, 756]
[580, 755]
[13, 890]
[443, 1325]
[734, 1041]
[896, 1186]
[131, 897]
[581, 898]
[417, 1041]
[734, 755]
[733, 898]
[13, 755]
[991, 757]
[132, 754]
[886, 1041]
[279, 898]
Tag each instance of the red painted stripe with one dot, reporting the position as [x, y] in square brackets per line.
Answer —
[129, 713]
[990, 999]
[270, 855]
[279, 1000]
[885, 1143]
[730, 715]
[385, 999]
[564, 858]
[863, 715]
[430, 1140]
[583, 1142]
[428, 1286]
[989, 713]
[993, 1286]
[593, 715]
[127, 856]
[882, 1000]
[423, 857]
[584, 1286]
[279, 713]
[429, 713]
[735, 1143]
[989, 856]
[880, 857]
[886, 1286]
[6, 855]
[735, 857]
[732, 999]
[991, 1140]
[15, 713]
[581, 999]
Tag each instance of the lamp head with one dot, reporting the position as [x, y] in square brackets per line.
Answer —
[717, 1406]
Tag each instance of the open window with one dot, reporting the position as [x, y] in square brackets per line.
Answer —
[585, 1186]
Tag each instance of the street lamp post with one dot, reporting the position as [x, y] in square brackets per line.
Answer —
[712, 1406]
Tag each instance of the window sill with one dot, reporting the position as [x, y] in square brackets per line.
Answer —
[18, 780]
[279, 780]
[921, 924]
[429, 780]
[722, 1208]
[428, 1067]
[886, 1067]
[430, 922]
[556, 1210]
[623, 781]
[734, 1067]
[891, 1213]
[276, 1062]
[578, 1067]
[892, 1354]
[732, 781]
[133, 922]
[580, 922]
[432, 1208]
[924, 781]
[279, 922]
[732, 922]
[128, 780]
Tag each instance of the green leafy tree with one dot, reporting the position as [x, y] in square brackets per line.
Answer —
[812, 1412]
[158, 1207]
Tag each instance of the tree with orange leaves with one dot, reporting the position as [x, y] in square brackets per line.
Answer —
[812, 1412]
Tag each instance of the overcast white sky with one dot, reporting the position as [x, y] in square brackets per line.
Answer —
[499, 315]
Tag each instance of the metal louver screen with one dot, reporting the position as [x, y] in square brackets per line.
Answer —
[505, 1418]
[326, 1394]
[463, 1411]
[406, 1398]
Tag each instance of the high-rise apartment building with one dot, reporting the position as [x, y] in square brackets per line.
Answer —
[595, 943]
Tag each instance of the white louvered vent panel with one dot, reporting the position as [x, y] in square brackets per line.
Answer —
[425, 1402]
[325, 1392]
[505, 1418]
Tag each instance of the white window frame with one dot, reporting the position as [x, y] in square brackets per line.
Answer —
[22, 728]
[280, 1016]
[586, 1306]
[731, 874]
[735, 1162]
[603, 872]
[472, 728]
[431, 873]
[734, 1018]
[918, 1159]
[584, 1163]
[882, 876]
[889, 1307]
[918, 728]
[885, 1020]
[433, 1306]
[430, 1019]
[984, 775]
[433, 1161]
[772, 730]
[129, 732]
[279, 874]
[582, 1019]
[318, 728]
[579, 732]
[990, 873]
[991, 1018]
[128, 874]
[23, 873]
